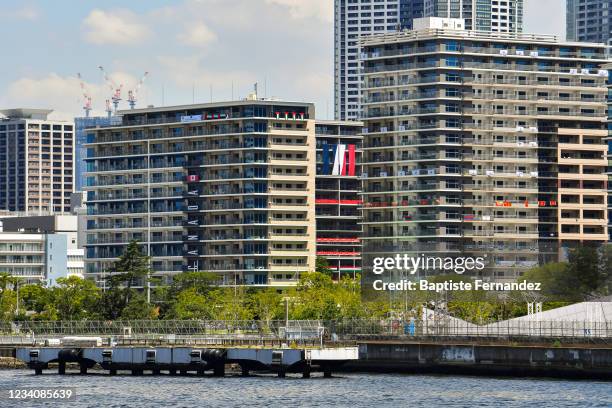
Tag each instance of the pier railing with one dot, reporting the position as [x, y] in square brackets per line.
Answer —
[304, 330]
[363, 329]
[273, 328]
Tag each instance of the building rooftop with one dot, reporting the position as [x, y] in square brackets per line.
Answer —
[26, 113]
[406, 35]
[209, 105]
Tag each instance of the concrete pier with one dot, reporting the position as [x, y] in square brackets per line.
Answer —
[185, 360]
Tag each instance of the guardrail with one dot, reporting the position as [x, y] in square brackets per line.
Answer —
[450, 327]
[336, 330]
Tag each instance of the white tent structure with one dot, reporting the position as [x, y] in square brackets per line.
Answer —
[585, 319]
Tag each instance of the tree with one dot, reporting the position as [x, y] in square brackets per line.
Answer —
[131, 269]
[584, 269]
[8, 305]
[605, 270]
[5, 280]
[75, 298]
[36, 297]
[201, 282]
[322, 266]
[229, 304]
[317, 297]
[191, 305]
[267, 305]
[557, 281]
[138, 309]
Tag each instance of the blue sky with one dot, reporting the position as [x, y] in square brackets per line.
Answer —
[188, 46]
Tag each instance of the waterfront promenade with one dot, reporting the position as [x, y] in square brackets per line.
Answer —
[532, 348]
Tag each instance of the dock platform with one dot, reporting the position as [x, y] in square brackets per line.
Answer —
[183, 360]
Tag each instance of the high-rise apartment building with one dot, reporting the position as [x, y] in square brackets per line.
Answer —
[589, 20]
[337, 200]
[37, 162]
[355, 19]
[227, 188]
[80, 152]
[505, 16]
[483, 144]
[609, 142]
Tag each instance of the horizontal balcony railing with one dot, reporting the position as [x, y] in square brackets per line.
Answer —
[537, 53]
[117, 182]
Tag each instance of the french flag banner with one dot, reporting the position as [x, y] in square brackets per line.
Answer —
[339, 161]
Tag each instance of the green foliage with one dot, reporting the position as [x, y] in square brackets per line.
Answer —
[8, 305]
[75, 298]
[131, 269]
[322, 266]
[193, 295]
[190, 305]
[318, 297]
[138, 309]
[267, 305]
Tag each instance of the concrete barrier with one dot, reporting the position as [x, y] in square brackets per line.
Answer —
[565, 362]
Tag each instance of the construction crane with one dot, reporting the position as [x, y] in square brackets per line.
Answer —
[109, 109]
[132, 94]
[86, 95]
[116, 89]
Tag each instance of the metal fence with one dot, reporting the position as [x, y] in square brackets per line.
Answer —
[354, 329]
[335, 330]
[272, 329]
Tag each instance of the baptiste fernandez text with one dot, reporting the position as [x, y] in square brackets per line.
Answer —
[450, 285]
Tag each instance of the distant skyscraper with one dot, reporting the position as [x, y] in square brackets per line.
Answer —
[589, 20]
[37, 161]
[480, 15]
[358, 18]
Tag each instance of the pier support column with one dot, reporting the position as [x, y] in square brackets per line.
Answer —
[38, 370]
[201, 373]
[219, 370]
[327, 372]
[183, 372]
[136, 371]
[113, 371]
[245, 372]
[306, 372]
[61, 368]
[281, 374]
[82, 368]
[155, 371]
[172, 371]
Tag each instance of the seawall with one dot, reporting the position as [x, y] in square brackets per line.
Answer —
[591, 361]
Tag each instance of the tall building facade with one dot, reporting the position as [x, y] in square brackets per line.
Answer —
[227, 188]
[480, 15]
[355, 19]
[589, 20]
[80, 152]
[37, 162]
[337, 199]
[609, 142]
[483, 144]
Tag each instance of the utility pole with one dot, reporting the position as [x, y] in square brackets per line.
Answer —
[17, 290]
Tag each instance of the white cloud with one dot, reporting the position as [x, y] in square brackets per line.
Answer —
[187, 71]
[198, 35]
[63, 94]
[321, 9]
[117, 27]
